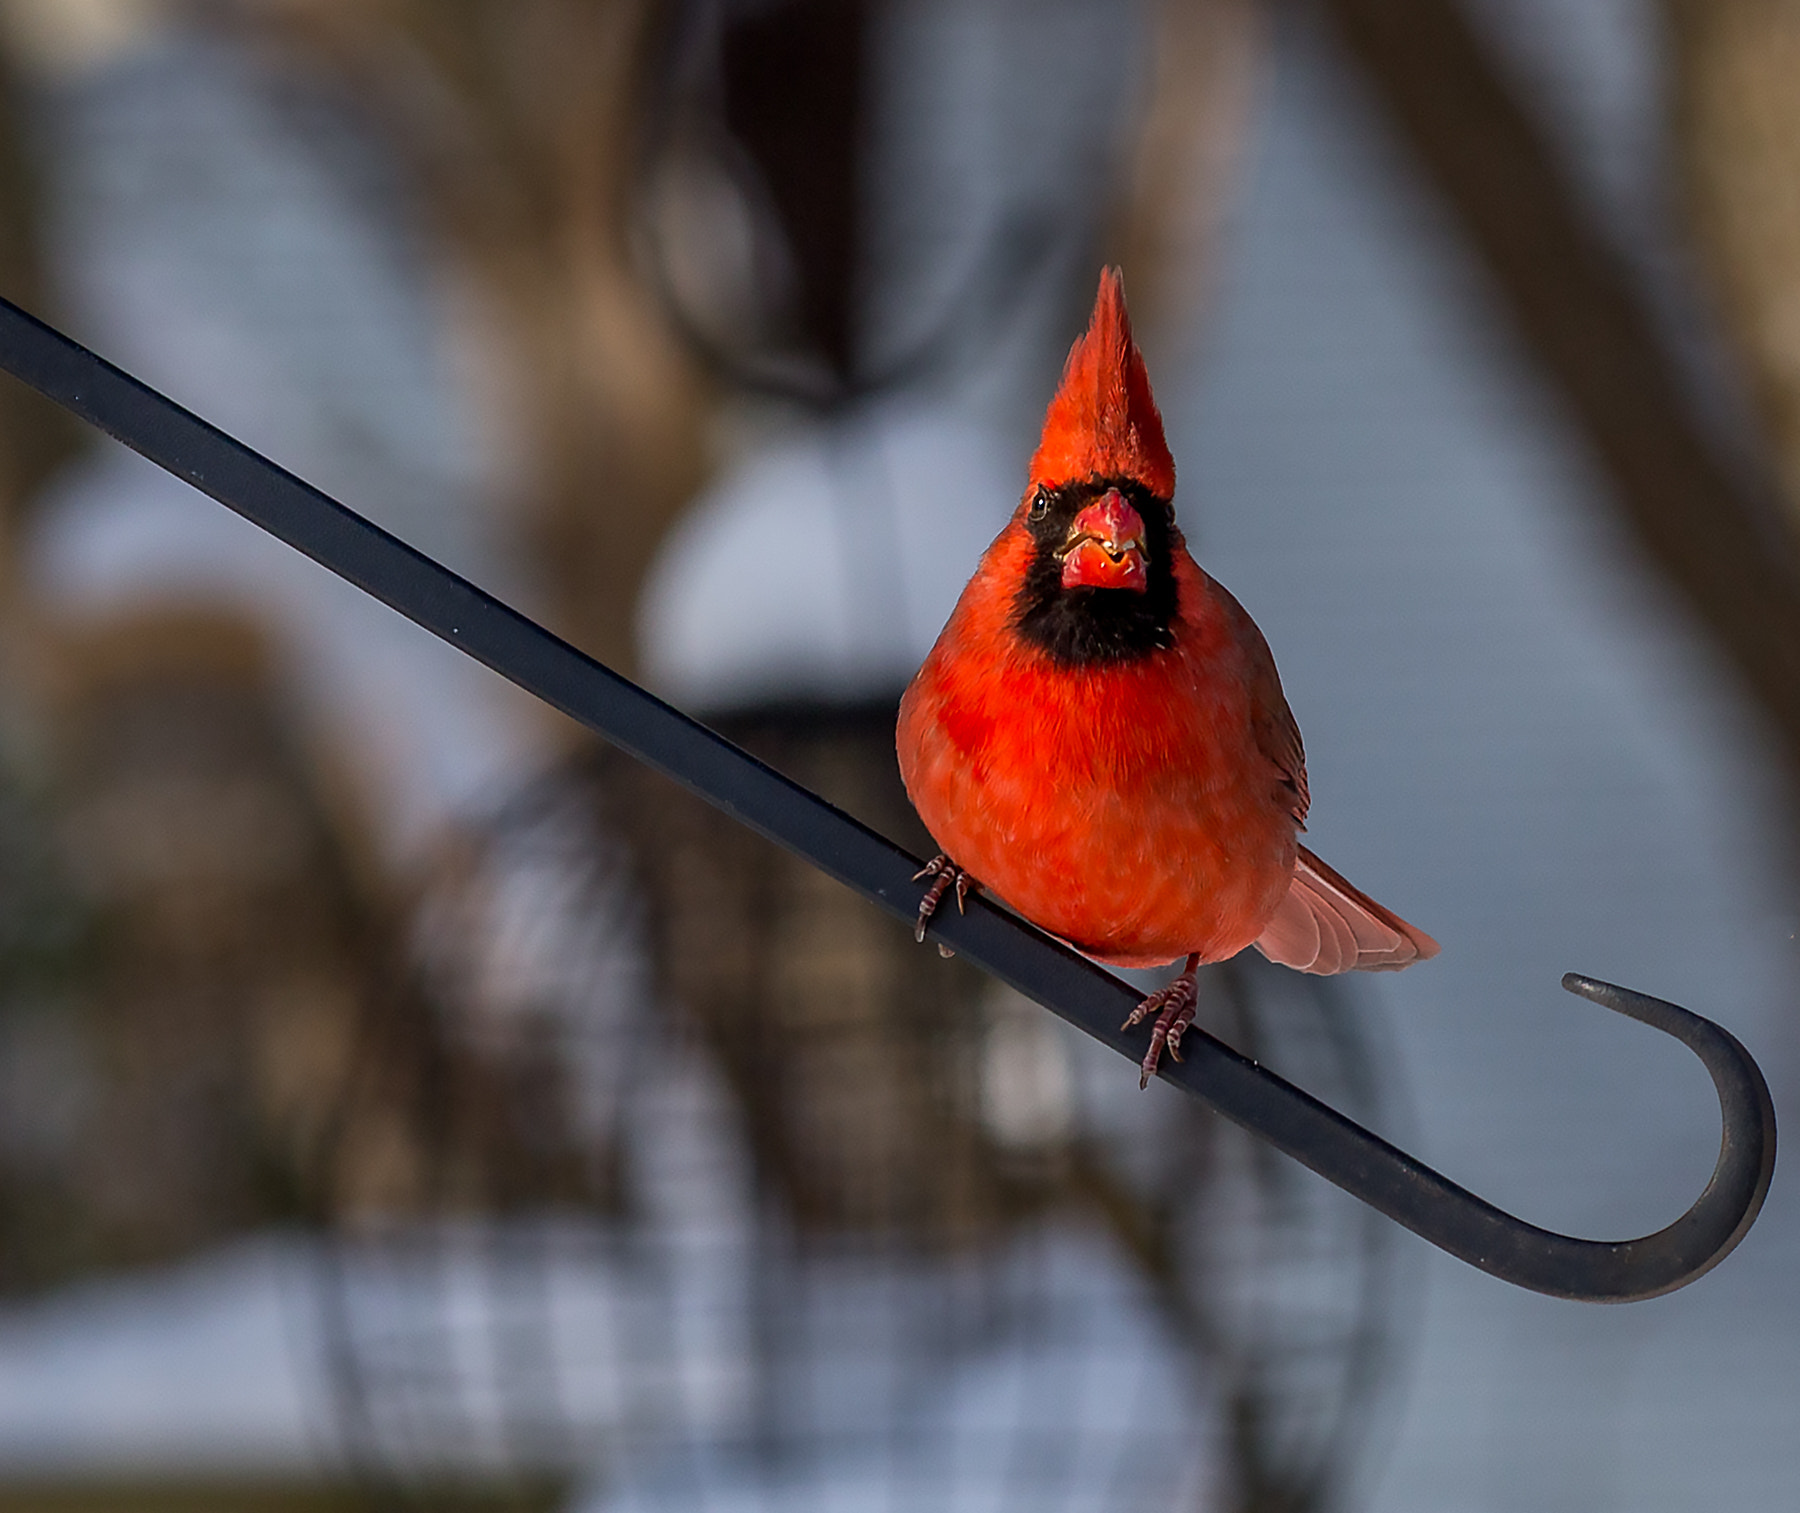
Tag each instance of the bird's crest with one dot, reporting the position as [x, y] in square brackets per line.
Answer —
[1103, 421]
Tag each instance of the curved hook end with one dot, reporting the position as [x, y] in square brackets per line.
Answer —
[1722, 1216]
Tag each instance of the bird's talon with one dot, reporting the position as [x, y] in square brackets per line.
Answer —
[944, 875]
[1174, 1007]
[943, 950]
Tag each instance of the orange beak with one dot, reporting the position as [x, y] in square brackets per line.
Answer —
[1105, 547]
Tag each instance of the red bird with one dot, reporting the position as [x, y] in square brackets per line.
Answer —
[1099, 735]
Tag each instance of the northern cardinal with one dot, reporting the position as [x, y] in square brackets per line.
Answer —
[1099, 735]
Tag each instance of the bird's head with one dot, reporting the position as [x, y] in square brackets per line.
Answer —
[1098, 507]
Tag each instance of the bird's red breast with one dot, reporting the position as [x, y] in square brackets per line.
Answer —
[1099, 735]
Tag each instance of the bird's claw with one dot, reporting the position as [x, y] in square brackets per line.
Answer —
[1174, 1009]
[944, 875]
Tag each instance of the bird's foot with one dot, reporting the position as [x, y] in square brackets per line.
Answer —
[944, 875]
[1174, 1009]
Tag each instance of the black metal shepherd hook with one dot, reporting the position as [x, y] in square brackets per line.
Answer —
[1337, 1149]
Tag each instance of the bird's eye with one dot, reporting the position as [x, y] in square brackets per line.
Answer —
[1040, 505]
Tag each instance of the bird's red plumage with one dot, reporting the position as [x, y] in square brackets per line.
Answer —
[1103, 420]
[1147, 808]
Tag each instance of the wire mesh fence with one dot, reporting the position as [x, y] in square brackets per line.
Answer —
[708, 1184]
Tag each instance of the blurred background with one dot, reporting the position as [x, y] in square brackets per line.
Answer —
[405, 1101]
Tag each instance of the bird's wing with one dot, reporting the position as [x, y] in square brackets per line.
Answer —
[1277, 732]
[1327, 925]
[1278, 738]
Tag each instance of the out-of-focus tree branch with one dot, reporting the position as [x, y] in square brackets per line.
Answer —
[1206, 59]
[1736, 77]
[35, 436]
[1717, 536]
[517, 116]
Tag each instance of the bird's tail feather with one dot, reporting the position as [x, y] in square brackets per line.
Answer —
[1327, 925]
